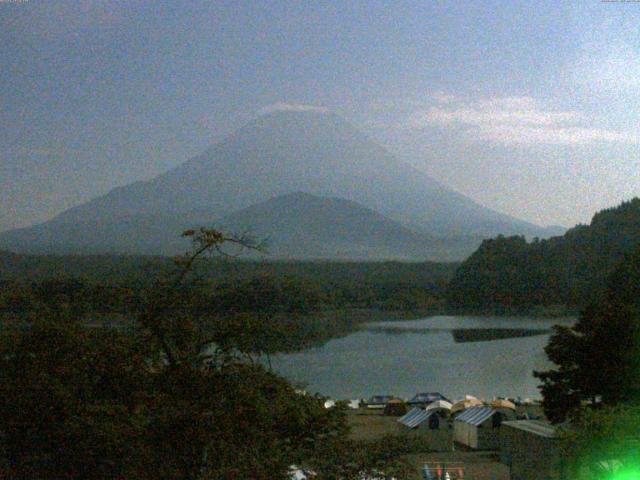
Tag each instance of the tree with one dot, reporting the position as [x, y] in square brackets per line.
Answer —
[169, 400]
[598, 359]
[69, 399]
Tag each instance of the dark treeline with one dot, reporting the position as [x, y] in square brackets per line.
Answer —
[312, 301]
[111, 284]
[562, 274]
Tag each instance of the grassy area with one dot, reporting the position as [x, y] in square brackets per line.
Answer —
[371, 424]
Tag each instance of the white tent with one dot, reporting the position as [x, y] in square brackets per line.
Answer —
[439, 404]
[502, 403]
[465, 404]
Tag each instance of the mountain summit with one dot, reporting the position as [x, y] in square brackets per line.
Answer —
[276, 154]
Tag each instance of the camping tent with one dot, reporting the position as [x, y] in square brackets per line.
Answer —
[439, 405]
[465, 404]
[395, 408]
[502, 403]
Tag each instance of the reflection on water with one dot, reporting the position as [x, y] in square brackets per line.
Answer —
[461, 335]
[491, 357]
[386, 330]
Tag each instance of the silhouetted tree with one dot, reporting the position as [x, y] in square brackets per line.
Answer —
[598, 359]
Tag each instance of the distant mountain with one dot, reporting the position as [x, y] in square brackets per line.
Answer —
[276, 154]
[295, 226]
[508, 274]
[300, 225]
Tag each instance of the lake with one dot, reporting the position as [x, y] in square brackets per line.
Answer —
[454, 355]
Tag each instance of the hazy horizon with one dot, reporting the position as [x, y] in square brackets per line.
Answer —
[530, 110]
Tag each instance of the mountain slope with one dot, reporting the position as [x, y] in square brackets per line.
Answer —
[277, 154]
[301, 225]
[509, 274]
[297, 225]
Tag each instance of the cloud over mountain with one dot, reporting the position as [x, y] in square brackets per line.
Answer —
[515, 120]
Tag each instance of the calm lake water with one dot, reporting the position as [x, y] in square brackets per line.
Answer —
[402, 358]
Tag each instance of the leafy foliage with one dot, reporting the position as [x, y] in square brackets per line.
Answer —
[168, 399]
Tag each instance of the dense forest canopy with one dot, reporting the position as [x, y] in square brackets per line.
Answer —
[128, 269]
[105, 282]
[312, 301]
[511, 275]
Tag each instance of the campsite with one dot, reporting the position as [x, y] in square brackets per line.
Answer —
[442, 445]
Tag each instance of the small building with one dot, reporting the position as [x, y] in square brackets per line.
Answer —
[424, 399]
[479, 427]
[530, 448]
[379, 401]
[417, 418]
[428, 423]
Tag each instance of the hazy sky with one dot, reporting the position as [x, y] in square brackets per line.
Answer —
[530, 108]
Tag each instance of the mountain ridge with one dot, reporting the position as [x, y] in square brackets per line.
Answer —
[277, 154]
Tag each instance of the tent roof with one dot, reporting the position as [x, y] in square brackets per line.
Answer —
[502, 403]
[439, 404]
[415, 417]
[476, 415]
[464, 404]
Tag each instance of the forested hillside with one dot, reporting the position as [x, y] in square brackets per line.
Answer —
[511, 275]
[311, 301]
